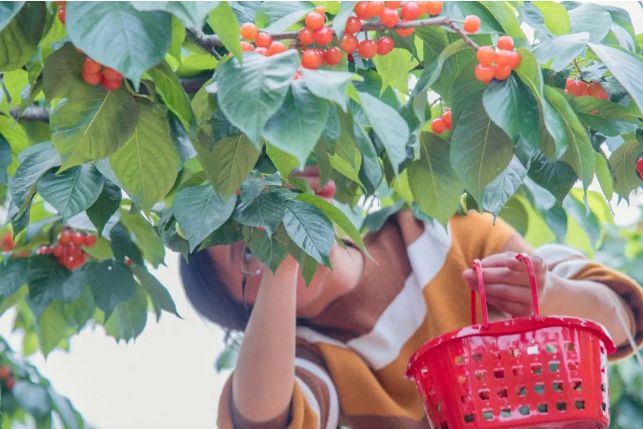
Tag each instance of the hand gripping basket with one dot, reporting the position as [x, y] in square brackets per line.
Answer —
[530, 372]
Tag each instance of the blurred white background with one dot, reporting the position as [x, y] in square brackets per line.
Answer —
[166, 379]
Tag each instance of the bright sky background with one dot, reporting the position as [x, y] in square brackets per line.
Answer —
[166, 379]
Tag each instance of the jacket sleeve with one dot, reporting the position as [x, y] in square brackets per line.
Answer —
[314, 404]
[572, 264]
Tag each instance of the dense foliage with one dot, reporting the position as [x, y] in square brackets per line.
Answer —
[132, 128]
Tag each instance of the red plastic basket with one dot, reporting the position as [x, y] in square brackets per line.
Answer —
[530, 372]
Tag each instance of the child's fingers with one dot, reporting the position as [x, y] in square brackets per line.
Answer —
[512, 308]
[508, 260]
[498, 275]
[506, 292]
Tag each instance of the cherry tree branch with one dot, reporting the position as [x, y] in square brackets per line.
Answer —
[210, 42]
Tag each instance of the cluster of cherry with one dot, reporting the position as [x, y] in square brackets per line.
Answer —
[69, 248]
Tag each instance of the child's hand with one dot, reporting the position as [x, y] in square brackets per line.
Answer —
[506, 282]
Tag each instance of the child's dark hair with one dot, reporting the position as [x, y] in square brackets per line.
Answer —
[208, 294]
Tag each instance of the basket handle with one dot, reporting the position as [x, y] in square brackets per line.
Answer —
[477, 268]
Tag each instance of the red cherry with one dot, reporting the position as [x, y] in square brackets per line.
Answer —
[353, 25]
[276, 48]
[434, 8]
[78, 238]
[111, 85]
[639, 168]
[332, 56]
[390, 18]
[349, 43]
[471, 24]
[323, 36]
[595, 90]
[42, 250]
[361, 9]
[7, 242]
[582, 89]
[367, 48]
[5, 372]
[393, 4]
[321, 10]
[410, 11]
[128, 261]
[111, 74]
[484, 73]
[569, 84]
[515, 60]
[486, 55]
[501, 72]
[248, 31]
[385, 45]
[261, 51]
[90, 66]
[11, 382]
[62, 14]
[438, 126]
[328, 190]
[404, 32]
[263, 40]
[311, 59]
[505, 42]
[375, 8]
[503, 57]
[306, 37]
[446, 117]
[315, 21]
[92, 78]
[57, 250]
[65, 236]
[246, 47]
[60, 3]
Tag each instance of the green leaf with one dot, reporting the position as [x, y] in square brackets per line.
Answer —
[119, 36]
[389, 126]
[75, 284]
[35, 162]
[12, 276]
[308, 228]
[503, 187]
[609, 118]
[224, 23]
[284, 162]
[557, 177]
[62, 74]
[431, 73]
[191, 13]
[123, 246]
[145, 237]
[580, 154]
[394, 69]
[71, 191]
[112, 283]
[250, 95]
[298, 124]
[505, 14]
[604, 176]
[434, 184]
[147, 164]
[592, 19]
[480, 150]
[555, 16]
[46, 278]
[623, 164]
[32, 398]
[335, 215]
[5, 160]
[227, 162]
[19, 40]
[52, 327]
[105, 205]
[9, 9]
[265, 211]
[199, 210]
[94, 126]
[64, 409]
[129, 317]
[558, 52]
[329, 85]
[167, 84]
[277, 16]
[347, 158]
[626, 67]
[512, 107]
[160, 296]
[529, 73]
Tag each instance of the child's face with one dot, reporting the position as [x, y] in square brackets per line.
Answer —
[230, 262]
